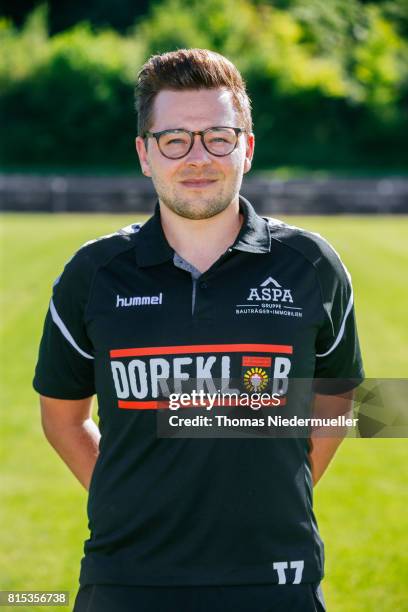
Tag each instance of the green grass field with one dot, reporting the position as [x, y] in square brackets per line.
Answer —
[361, 503]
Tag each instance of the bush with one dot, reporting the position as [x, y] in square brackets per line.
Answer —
[73, 104]
[68, 99]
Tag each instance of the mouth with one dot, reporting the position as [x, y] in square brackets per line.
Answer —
[198, 183]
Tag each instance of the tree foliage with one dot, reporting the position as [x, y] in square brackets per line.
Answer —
[328, 81]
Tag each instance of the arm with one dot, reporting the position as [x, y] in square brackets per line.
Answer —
[69, 428]
[325, 441]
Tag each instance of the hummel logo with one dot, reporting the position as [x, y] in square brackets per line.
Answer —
[143, 300]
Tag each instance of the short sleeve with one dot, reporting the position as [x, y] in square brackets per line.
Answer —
[65, 366]
[339, 365]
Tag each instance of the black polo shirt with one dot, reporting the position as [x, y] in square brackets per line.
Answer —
[126, 323]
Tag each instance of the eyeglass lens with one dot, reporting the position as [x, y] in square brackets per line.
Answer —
[176, 144]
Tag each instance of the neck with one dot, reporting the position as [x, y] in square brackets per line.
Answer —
[201, 242]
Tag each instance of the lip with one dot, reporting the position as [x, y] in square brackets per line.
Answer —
[198, 183]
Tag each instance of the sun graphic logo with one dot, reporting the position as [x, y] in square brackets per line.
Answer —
[256, 379]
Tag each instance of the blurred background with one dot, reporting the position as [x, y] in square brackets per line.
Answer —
[329, 85]
[328, 81]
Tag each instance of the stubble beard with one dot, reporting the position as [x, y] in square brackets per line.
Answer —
[195, 207]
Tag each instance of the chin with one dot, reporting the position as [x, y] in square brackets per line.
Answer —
[206, 210]
[193, 206]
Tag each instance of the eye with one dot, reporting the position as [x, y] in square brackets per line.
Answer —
[218, 139]
[221, 137]
[176, 141]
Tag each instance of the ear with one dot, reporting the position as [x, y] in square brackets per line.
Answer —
[143, 158]
[249, 151]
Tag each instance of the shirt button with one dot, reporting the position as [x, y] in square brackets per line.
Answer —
[203, 285]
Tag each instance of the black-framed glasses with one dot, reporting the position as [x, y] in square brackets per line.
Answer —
[175, 144]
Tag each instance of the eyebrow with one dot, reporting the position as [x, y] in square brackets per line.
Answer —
[179, 127]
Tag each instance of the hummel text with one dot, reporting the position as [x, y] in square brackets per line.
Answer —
[139, 300]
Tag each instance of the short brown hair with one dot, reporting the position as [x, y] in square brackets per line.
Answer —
[188, 69]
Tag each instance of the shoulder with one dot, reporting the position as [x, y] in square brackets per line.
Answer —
[311, 246]
[102, 249]
[98, 252]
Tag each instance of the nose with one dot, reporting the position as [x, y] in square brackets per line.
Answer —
[198, 154]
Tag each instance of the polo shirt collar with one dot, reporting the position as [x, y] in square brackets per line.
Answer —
[254, 235]
[153, 248]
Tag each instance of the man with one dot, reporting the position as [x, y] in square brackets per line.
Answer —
[205, 290]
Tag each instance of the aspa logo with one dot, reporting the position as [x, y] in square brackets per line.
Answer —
[270, 297]
[270, 290]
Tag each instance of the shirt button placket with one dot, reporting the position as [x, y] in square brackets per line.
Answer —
[202, 306]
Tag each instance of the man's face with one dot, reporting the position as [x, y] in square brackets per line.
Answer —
[199, 185]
